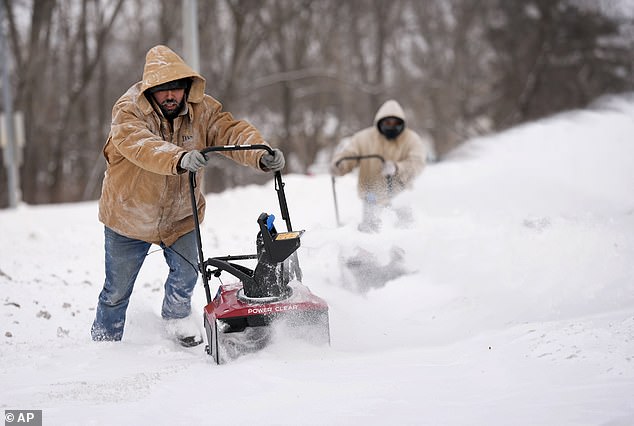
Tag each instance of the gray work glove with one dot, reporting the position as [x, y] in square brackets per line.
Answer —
[273, 162]
[192, 161]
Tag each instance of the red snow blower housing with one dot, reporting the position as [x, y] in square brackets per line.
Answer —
[240, 317]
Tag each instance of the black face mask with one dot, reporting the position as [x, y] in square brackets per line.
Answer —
[391, 131]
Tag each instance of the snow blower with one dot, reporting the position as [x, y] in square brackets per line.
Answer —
[241, 316]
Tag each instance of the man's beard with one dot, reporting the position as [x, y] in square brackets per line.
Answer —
[170, 108]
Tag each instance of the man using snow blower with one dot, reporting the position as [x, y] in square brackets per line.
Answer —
[389, 156]
[158, 128]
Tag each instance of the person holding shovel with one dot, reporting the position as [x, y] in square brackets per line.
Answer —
[389, 156]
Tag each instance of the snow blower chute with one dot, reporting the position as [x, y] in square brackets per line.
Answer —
[240, 317]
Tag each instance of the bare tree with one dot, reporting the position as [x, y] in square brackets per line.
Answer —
[554, 55]
[58, 71]
[68, 153]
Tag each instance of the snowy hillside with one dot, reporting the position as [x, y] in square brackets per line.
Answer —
[515, 302]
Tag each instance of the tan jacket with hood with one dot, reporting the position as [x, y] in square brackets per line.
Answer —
[406, 151]
[144, 195]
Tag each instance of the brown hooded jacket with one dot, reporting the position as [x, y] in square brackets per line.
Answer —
[145, 195]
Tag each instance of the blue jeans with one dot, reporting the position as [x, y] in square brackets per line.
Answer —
[124, 257]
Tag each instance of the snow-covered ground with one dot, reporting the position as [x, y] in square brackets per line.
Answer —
[517, 306]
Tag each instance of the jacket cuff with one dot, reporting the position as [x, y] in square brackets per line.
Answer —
[260, 165]
[179, 169]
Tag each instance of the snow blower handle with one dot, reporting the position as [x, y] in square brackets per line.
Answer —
[279, 185]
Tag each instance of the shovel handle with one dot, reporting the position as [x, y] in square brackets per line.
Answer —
[359, 157]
